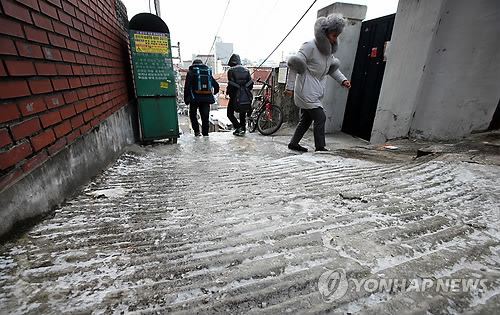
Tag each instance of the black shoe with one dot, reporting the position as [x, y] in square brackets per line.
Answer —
[321, 149]
[296, 147]
[239, 132]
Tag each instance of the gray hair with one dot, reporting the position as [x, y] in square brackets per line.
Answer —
[333, 23]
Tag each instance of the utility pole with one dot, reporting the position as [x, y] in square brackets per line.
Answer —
[157, 8]
[178, 51]
[215, 56]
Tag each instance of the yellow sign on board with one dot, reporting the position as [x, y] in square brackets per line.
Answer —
[151, 44]
[164, 85]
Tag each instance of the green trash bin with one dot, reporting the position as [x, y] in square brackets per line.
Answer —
[154, 77]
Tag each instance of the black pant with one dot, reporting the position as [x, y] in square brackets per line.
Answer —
[307, 116]
[204, 113]
[236, 124]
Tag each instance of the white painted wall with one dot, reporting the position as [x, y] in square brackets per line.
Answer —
[460, 86]
[335, 98]
[411, 40]
[443, 68]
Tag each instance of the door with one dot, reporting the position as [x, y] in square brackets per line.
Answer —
[366, 80]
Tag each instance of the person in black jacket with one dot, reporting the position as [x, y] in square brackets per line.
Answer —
[241, 76]
[199, 100]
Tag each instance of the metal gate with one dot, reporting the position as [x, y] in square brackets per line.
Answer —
[367, 75]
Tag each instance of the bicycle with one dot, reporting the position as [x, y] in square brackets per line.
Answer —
[265, 117]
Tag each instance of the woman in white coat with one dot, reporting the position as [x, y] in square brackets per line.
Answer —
[306, 77]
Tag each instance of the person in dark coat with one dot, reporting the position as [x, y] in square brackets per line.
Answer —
[241, 76]
[198, 101]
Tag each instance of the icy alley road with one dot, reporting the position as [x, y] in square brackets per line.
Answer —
[241, 225]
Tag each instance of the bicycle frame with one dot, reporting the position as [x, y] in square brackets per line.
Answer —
[264, 98]
[262, 110]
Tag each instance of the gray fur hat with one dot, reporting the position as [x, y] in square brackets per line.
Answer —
[333, 23]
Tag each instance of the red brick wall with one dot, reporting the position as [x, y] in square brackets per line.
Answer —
[64, 68]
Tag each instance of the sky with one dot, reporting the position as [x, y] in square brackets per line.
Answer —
[254, 27]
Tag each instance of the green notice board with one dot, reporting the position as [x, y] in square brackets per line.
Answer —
[155, 84]
[152, 62]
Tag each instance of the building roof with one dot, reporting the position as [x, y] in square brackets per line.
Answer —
[220, 77]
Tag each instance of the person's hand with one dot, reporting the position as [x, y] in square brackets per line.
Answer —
[346, 84]
[288, 92]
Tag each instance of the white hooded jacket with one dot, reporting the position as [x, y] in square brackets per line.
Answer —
[309, 67]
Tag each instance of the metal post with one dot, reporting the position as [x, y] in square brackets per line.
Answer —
[157, 8]
[179, 51]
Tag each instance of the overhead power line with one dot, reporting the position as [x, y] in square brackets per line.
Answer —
[220, 25]
[285, 36]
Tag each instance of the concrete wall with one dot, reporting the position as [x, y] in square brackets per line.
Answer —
[442, 71]
[460, 86]
[414, 28]
[335, 99]
[290, 111]
[60, 175]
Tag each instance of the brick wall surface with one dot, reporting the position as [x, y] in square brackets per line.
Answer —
[64, 68]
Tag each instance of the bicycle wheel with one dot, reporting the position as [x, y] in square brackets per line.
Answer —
[269, 120]
[251, 125]
[252, 119]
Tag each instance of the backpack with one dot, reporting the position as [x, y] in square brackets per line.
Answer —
[244, 97]
[202, 80]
